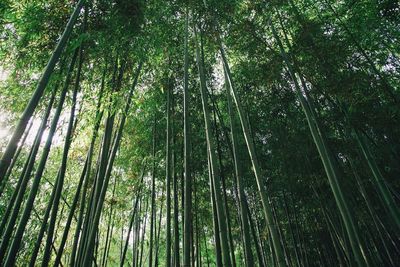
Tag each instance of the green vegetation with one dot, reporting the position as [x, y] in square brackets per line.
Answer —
[199, 133]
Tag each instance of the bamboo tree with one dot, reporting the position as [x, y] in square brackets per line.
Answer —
[224, 194]
[215, 177]
[15, 158]
[217, 239]
[86, 174]
[136, 242]
[83, 181]
[371, 212]
[104, 157]
[195, 237]
[378, 178]
[256, 168]
[186, 151]
[143, 233]
[205, 246]
[106, 148]
[329, 165]
[34, 101]
[63, 167]
[133, 216]
[239, 177]
[16, 199]
[153, 195]
[71, 213]
[256, 238]
[43, 227]
[110, 227]
[379, 181]
[159, 229]
[19, 191]
[286, 208]
[89, 250]
[168, 179]
[176, 256]
[16, 242]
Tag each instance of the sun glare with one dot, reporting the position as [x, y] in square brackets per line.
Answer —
[3, 74]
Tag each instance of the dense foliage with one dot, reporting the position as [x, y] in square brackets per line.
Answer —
[200, 133]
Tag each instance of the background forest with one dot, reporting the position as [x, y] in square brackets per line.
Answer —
[199, 133]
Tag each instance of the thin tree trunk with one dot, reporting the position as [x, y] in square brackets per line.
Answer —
[89, 250]
[168, 178]
[110, 228]
[133, 216]
[238, 174]
[159, 230]
[60, 178]
[16, 199]
[224, 194]
[256, 168]
[87, 175]
[379, 182]
[153, 195]
[329, 164]
[215, 178]
[34, 101]
[143, 233]
[43, 227]
[372, 213]
[15, 158]
[84, 180]
[186, 134]
[176, 191]
[256, 238]
[16, 242]
[217, 239]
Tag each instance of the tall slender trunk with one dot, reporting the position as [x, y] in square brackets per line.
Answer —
[110, 230]
[153, 195]
[256, 238]
[143, 232]
[88, 224]
[379, 181]
[328, 162]
[71, 214]
[256, 168]
[83, 181]
[217, 239]
[60, 178]
[215, 178]
[186, 134]
[286, 208]
[168, 179]
[135, 250]
[16, 242]
[87, 175]
[157, 242]
[372, 213]
[133, 216]
[15, 158]
[238, 173]
[43, 227]
[224, 194]
[89, 250]
[34, 101]
[175, 190]
[15, 202]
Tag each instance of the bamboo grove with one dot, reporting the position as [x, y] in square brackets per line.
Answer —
[200, 133]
